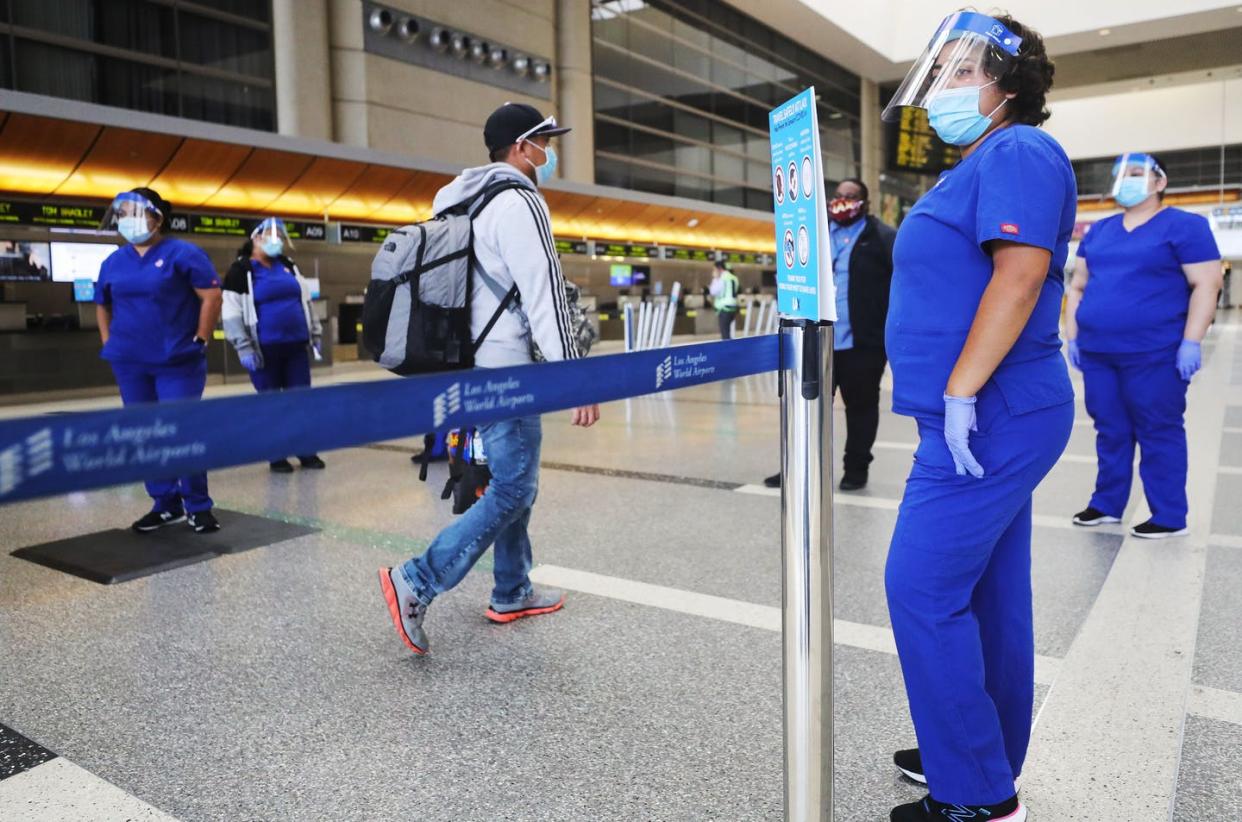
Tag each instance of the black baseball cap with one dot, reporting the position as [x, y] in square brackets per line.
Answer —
[514, 120]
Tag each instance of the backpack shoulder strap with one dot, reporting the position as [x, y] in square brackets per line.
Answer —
[482, 201]
[484, 198]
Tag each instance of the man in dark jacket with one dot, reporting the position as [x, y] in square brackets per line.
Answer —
[862, 267]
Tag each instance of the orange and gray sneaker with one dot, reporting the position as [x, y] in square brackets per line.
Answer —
[406, 609]
[539, 602]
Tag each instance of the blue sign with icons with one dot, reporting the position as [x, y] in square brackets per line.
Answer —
[801, 214]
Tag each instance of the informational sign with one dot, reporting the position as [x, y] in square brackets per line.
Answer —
[697, 255]
[306, 231]
[363, 233]
[801, 214]
[913, 146]
[572, 247]
[212, 224]
[55, 215]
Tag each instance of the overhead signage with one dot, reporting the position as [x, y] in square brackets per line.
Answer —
[572, 247]
[803, 290]
[306, 231]
[607, 248]
[363, 233]
[697, 255]
[913, 146]
[746, 258]
[53, 215]
[211, 224]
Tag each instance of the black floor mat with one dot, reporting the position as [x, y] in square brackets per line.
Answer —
[120, 555]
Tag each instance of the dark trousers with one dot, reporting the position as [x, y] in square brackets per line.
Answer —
[857, 374]
[726, 318]
[285, 365]
[141, 383]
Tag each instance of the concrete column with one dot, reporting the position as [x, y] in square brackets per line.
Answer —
[872, 138]
[576, 99]
[303, 69]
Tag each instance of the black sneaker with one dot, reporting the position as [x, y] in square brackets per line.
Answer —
[204, 522]
[1150, 530]
[910, 763]
[853, 481]
[157, 520]
[929, 810]
[313, 462]
[773, 481]
[1091, 517]
[281, 467]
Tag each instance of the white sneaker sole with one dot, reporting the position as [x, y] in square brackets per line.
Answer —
[1164, 535]
[1091, 523]
[917, 777]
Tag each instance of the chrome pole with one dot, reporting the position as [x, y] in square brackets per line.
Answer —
[806, 540]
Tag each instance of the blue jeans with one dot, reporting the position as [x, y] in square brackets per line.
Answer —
[501, 516]
[958, 580]
[141, 383]
[1138, 399]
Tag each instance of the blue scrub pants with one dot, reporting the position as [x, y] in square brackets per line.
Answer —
[958, 580]
[140, 383]
[285, 365]
[1138, 398]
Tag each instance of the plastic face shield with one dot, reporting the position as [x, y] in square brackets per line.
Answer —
[1135, 166]
[270, 230]
[129, 204]
[968, 50]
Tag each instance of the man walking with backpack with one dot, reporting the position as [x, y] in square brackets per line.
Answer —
[513, 249]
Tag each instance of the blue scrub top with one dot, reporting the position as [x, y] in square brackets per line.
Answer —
[1017, 186]
[154, 307]
[278, 300]
[842, 239]
[1137, 295]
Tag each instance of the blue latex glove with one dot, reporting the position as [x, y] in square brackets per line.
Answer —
[1189, 359]
[959, 421]
[249, 360]
[1075, 358]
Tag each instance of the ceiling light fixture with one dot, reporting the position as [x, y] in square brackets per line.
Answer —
[408, 29]
[1105, 32]
[381, 21]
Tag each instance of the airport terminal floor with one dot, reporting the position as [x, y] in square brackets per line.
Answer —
[269, 685]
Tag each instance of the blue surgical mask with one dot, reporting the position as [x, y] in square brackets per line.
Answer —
[544, 172]
[272, 248]
[954, 115]
[134, 229]
[1132, 191]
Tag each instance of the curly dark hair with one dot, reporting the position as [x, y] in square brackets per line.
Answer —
[1030, 76]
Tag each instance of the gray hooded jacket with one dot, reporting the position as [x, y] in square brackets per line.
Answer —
[513, 246]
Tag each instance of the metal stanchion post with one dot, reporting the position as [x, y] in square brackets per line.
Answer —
[806, 539]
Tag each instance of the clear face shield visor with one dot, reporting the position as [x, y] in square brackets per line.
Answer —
[130, 204]
[271, 233]
[969, 50]
[1135, 174]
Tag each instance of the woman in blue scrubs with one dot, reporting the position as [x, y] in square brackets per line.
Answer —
[1140, 302]
[269, 319]
[158, 299]
[973, 343]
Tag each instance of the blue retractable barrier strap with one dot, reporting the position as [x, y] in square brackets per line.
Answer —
[56, 454]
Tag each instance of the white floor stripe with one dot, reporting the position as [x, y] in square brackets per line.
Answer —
[1212, 703]
[1231, 429]
[1124, 684]
[766, 617]
[886, 504]
[1232, 470]
[1225, 540]
[58, 791]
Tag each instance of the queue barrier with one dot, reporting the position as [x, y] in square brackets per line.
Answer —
[57, 454]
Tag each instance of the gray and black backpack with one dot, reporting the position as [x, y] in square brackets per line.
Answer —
[416, 313]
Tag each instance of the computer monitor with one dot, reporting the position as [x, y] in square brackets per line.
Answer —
[78, 261]
[621, 275]
[768, 278]
[641, 274]
[21, 261]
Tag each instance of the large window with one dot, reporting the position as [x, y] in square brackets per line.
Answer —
[682, 94]
[1202, 168]
[208, 60]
